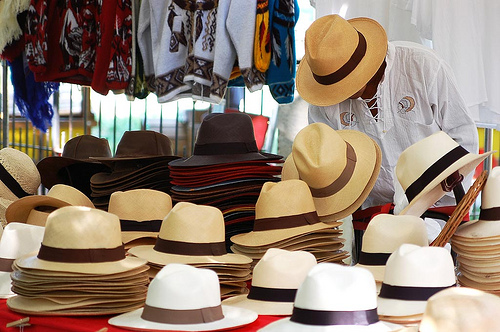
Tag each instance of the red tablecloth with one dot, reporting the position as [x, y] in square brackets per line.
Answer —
[88, 324]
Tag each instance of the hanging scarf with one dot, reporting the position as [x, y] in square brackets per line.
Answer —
[31, 97]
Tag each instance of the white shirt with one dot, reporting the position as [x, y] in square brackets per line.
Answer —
[417, 97]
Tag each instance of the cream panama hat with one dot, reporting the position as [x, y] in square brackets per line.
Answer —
[425, 170]
[412, 275]
[339, 166]
[19, 176]
[384, 235]
[275, 280]
[335, 298]
[190, 234]
[184, 298]
[340, 58]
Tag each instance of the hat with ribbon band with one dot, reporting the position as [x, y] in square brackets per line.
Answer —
[19, 176]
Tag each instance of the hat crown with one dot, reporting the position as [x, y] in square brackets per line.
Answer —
[284, 198]
[282, 269]
[386, 232]
[226, 127]
[22, 168]
[184, 287]
[86, 146]
[143, 143]
[333, 287]
[19, 239]
[489, 195]
[330, 42]
[189, 222]
[70, 195]
[77, 227]
[412, 265]
[140, 204]
[319, 154]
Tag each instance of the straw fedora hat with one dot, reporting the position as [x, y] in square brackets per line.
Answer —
[58, 196]
[4, 204]
[412, 275]
[340, 58]
[334, 297]
[224, 138]
[19, 176]
[178, 242]
[141, 212]
[384, 235]
[283, 210]
[339, 166]
[77, 150]
[141, 144]
[275, 280]
[184, 298]
[461, 309]
[81, 240]
[422, 168]
[17, 240]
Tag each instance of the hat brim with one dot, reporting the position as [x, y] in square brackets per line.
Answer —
[286, 324]
[33, 262]
[128, 237]
[395, 308]
[19, 210]
[110, 161]
[260, 307]
[347, 200]
[148, 253]
[5, 285]
[377, 271]
[233, 317]
[431, 193]
[205, 160]
[324, 95]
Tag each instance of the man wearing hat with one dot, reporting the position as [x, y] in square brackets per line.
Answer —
[396, 92]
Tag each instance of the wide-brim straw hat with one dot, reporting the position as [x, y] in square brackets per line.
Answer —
[275, 280]
[58, 196]
[384, 235]
[283, 210]
[77, 150]
[461, 309]
[412, 275]
[190, 234]
[224, 138]
[422, 167]
[341, 56]
[334, 297]
[141, 212]
[19, 176]
[339, 166]
[184, 298]
[81, 240]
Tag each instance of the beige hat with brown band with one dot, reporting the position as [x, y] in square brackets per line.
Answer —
[19, 176]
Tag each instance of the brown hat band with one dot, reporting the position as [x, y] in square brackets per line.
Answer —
[272, 294]
[433, 171]
[324, 317]
[408, 292]
[304, 219]
[6, 264]
[343, 178]
[140, 226]
[225, 148]
[189, 316]
[11, 183]
[348, 67]
[190, 248]
[373, 258]
[490, 214]
[91, 255]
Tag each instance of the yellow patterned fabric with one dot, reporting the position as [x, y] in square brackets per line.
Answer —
[262, 46]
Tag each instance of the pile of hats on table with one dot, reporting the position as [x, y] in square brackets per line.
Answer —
[226, 170]
[477, 243]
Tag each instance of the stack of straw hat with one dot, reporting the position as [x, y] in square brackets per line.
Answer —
[80, 269]
[141, 212]
[75, 167]
[226, 170]
[140, 162]
[412, 275]
[35, 209]
[477, 243]
[194, 234]
[286, 218]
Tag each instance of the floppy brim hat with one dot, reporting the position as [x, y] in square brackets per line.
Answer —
[50, 169]
[323, 58]
[350, 197]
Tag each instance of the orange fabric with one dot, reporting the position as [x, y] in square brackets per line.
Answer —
[262, 41]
